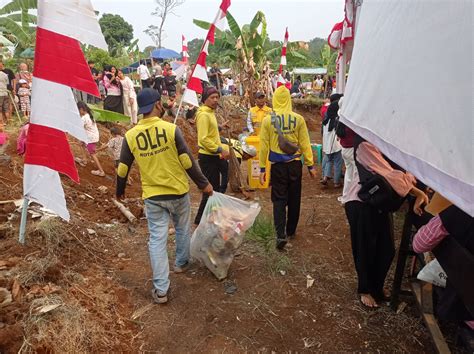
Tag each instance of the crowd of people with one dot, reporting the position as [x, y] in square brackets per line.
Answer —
[284, 139]
[15, 92]
[165, 161]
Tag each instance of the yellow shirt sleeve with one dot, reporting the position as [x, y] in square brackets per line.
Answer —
[264, 142]
[305, 143]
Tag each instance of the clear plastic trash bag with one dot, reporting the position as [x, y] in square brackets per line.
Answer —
[221, 231]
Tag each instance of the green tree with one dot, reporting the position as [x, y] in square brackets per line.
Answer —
[327, 59]
[315, 47]
[101, 58]
[195, 45]
[246, 49]
[148, 49]
[17, 24]
[118, 33]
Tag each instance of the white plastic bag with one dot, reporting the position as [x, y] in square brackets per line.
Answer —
[221, 231]
[433, 273]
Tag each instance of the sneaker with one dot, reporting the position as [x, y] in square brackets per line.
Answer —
[158, 298]
[181, 269]
[98, 173]
[281, 243]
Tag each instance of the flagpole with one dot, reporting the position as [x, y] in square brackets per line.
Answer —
[24, 213]
[192, 72]
[179, 108]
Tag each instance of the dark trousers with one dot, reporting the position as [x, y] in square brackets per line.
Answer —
[372, 246]
[145, 84]
[210, 168]
[224, 175]
[158, 84]
[286, 192]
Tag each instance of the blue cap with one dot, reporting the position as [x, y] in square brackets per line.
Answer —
[146, 100]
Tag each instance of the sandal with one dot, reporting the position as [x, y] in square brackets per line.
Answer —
[98, 173]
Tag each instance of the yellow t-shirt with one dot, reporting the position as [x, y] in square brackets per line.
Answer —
[255, 118]
[209, 141]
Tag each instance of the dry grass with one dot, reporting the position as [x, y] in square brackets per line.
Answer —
[52, 232]
[36, 270]
[67, 329]
[49, 234]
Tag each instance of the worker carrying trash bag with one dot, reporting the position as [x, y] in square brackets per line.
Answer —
[221, 231]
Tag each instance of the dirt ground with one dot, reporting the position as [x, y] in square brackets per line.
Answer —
[96, 270]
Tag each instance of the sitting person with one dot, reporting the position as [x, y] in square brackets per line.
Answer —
[296, 88]
[450, 236]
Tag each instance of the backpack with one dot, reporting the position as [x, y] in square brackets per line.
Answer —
[375, 189]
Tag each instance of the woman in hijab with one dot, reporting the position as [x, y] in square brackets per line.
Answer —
[129, 97]
[113, 99]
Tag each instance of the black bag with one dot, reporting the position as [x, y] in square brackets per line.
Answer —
[283, 143]
[340, 129]
[375, 189]
[378, 193]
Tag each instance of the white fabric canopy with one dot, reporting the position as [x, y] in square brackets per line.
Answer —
[410, 90]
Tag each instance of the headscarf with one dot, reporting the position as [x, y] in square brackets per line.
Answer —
[332, 112]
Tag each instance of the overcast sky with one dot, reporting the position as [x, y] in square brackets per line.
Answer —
[305, 19]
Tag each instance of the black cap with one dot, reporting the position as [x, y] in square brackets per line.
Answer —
[259, 94]
[146, 99]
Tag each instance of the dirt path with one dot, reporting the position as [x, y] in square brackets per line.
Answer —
[272, 309]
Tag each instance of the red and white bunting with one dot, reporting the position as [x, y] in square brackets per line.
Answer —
[283, 52]
[61, 25]
[184, 49]
[194, 86]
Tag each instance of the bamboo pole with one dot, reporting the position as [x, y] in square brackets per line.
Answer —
[24, 214]
[125, 211]
[14, 105]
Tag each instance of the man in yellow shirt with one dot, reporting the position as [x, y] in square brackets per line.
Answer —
[286, 168]
[165, 162]
[257, 113]
[209, 142]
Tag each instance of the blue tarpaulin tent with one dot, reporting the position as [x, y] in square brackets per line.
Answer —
[160, 54]
[133, 67]
[164, 53]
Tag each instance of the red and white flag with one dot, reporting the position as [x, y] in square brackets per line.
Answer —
[199, 73]
[283, 52]
[59, 66]
[340, 39]
[184, 49]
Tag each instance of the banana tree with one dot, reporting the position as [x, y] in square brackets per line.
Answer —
[17, 24]
[247, 49]
[327, 59]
